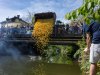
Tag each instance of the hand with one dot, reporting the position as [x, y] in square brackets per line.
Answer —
[86, 50]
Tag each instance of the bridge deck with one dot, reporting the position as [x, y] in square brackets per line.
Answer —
[55, 40]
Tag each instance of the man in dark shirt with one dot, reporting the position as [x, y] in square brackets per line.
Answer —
[93, 45]
[84, 29]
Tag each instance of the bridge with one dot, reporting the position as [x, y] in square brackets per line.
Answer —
[26, 45]
[53, 40]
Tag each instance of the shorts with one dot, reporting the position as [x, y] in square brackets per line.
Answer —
[94, 53]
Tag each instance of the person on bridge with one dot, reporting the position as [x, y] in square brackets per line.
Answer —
[93, 45]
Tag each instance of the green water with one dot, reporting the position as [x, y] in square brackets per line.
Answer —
[26, 66]
[62, 69]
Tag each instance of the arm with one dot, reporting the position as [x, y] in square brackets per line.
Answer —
[88, 42]
[88, 37]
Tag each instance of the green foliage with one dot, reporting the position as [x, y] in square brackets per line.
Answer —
[84, 58]
[90, 10]
[81, 45]
[58, 54]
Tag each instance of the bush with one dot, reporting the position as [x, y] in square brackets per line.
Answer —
[83, 58]
[58, 54]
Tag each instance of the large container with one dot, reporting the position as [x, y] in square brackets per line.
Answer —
[45, 15]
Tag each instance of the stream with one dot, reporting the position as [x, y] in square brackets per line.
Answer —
[30, 65]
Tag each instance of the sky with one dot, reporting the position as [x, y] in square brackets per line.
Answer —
[10, 8]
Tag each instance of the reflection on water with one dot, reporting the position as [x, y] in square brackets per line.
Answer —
[28, 65]
[62, 69]
[10, 66]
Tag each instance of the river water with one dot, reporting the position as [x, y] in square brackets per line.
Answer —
[29, 65]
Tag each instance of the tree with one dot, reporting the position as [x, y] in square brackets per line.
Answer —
[58, 22]
[90, 9]
[29, 17]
